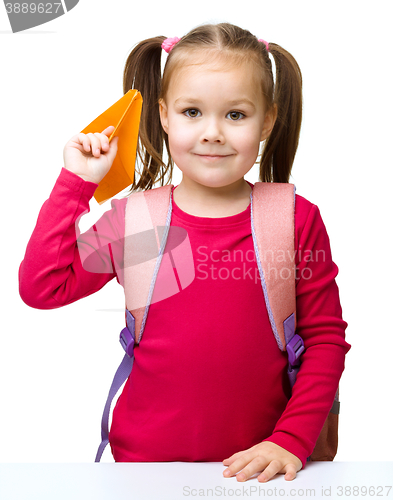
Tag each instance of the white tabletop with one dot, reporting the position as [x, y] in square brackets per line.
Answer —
[178, 480]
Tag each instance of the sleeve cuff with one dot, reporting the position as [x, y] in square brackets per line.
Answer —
[75, 183]
[290, 444]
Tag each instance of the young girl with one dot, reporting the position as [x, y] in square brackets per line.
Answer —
[208, 382]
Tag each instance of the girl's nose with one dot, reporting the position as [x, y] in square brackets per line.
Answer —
[213, 133]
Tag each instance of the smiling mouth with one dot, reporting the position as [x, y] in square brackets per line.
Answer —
[212, 157]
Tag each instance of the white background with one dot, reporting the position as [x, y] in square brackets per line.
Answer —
[56, 366]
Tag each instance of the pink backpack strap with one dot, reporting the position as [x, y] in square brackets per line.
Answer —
[273, 230]
[147, 221]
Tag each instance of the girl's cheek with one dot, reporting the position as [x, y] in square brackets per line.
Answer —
[245, 140]
[181, 140]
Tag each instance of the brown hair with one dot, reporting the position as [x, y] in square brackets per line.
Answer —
[143, 72]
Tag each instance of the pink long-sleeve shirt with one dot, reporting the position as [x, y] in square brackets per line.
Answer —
[208, 378]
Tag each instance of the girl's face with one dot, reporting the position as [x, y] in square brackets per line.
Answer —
[215, 120]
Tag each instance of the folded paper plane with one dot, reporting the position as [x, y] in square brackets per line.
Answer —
[124, 115]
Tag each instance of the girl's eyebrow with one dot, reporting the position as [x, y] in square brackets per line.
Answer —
[187, 100]
[240, 102]
[235, 102]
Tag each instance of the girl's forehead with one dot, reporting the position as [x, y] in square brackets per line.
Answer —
[212, 60]
[232, 74]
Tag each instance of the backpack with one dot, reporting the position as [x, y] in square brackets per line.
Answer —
[148, 214]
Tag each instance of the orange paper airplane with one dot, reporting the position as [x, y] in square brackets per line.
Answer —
[124, 115]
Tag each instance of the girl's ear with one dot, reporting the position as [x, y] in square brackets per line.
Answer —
[163, 115]
[269, 121]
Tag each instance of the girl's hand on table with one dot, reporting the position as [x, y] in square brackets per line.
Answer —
[267, 458]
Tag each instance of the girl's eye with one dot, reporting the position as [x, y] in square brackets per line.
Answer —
[192, 113]
[235, 115]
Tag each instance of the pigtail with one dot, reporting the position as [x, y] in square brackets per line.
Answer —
[280, 148]
[143, 72]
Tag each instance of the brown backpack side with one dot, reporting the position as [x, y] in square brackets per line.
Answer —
[327, 443]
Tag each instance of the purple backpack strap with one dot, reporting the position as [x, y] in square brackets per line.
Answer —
[147, 222]
[127, 339]
[273, 231]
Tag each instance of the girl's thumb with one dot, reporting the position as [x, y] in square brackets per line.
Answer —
[113, 146]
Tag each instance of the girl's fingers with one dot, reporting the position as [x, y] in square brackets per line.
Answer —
[100, 141]
[81, 138]
[238, 464]
[84, 141]
[231, 459]
[290, 472]
[256, 465]
[84, 138]
[112, 151]
[274, 468]
[103, 140]
[267, 458]
[271, 470]
[95, 144]
[108, 130]
[245, 467]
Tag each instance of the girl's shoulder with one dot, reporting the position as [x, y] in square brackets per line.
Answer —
[303, 207]
[308, 219]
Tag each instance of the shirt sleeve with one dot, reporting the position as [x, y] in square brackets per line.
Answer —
[60, 265]
[320, 324]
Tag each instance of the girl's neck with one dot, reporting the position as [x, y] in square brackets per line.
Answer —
[204, 201]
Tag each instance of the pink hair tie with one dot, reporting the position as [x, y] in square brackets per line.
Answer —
[266, 43]
[169, 43]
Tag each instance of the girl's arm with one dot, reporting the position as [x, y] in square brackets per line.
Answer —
[320, 324]
[52, 274]
[59, 269]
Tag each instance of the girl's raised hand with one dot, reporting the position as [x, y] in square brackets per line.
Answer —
[90, 155]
